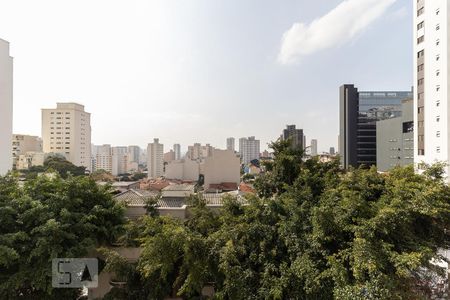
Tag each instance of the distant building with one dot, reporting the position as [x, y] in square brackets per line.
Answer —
[21, 144]
[66, 130]
[359, 112]
[119, 158]
[177, 150]
[155, 162]
[332, 151]
[314, 148]
[169, 156]
[395, 139]
[198, 152]
[103, 158]
[249, 149]
[134, 154]
[231, 144]
[29, 159]
[6, 107]
[298, 140]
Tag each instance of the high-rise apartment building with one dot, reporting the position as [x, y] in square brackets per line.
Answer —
[119, 160]
[66, 130]
[231, 144]
[332, 151]
[155, 162]
[6, 107]
[314, 148]
[134, 153]
[431, 82]
[103, 158]
[295, 135]
[249, 149]
[198, 152]
[359, 112]
[177, 150]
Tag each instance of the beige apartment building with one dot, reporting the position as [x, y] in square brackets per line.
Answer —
[66, 130]
[155, 159]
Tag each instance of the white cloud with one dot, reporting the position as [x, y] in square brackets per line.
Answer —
[335, 28]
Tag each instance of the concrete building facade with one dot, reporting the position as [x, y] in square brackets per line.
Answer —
[298, 139]
[249, 149]
[66, 130]
[119, 164]
[177, 150]
[314, 151]
[21, 144]
[134, 154]
[358, 114]
[431, 82]
[231, 144]
[6, 107]
[395, 139]
[155, 162]
[103, 158]
[222, 166]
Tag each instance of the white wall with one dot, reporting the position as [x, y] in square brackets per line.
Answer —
[6, 107]
[222, 166]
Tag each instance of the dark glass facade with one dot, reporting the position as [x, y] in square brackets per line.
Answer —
[359, 112]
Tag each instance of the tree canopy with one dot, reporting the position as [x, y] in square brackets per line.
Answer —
[50, 217]
[313, 231]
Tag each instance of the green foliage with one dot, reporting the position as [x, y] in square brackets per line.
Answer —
[50, 217]
[138, 176]
[313, 232]
[63, 166]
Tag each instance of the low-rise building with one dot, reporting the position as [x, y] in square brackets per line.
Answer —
[21, 144]
[395, 139]
[29, 159]
[185, 169]
[222, 166]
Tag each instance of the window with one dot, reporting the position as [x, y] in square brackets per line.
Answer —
[438, 118]
[438, 88]
[438, 41]
[438, 102]
[438, 26]
[420, 110]
[420, 124]
[438, 57]
[408, 127]
[421, 53]
[438, 11]
[420, 25]
[420, 81]
[438, 149]
[420, 67]
[420, 11]
[438, 134]
[438, 72]
[420, 39]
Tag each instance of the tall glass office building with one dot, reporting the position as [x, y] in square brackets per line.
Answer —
[359, 112]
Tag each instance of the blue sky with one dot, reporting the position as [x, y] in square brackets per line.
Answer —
[201, 70]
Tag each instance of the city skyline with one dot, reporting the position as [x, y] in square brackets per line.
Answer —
[169, 67]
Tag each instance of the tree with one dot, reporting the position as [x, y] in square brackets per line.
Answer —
[313, 232]
[63, 166]
[50, 217]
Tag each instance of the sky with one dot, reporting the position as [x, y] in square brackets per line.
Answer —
[203, 70]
